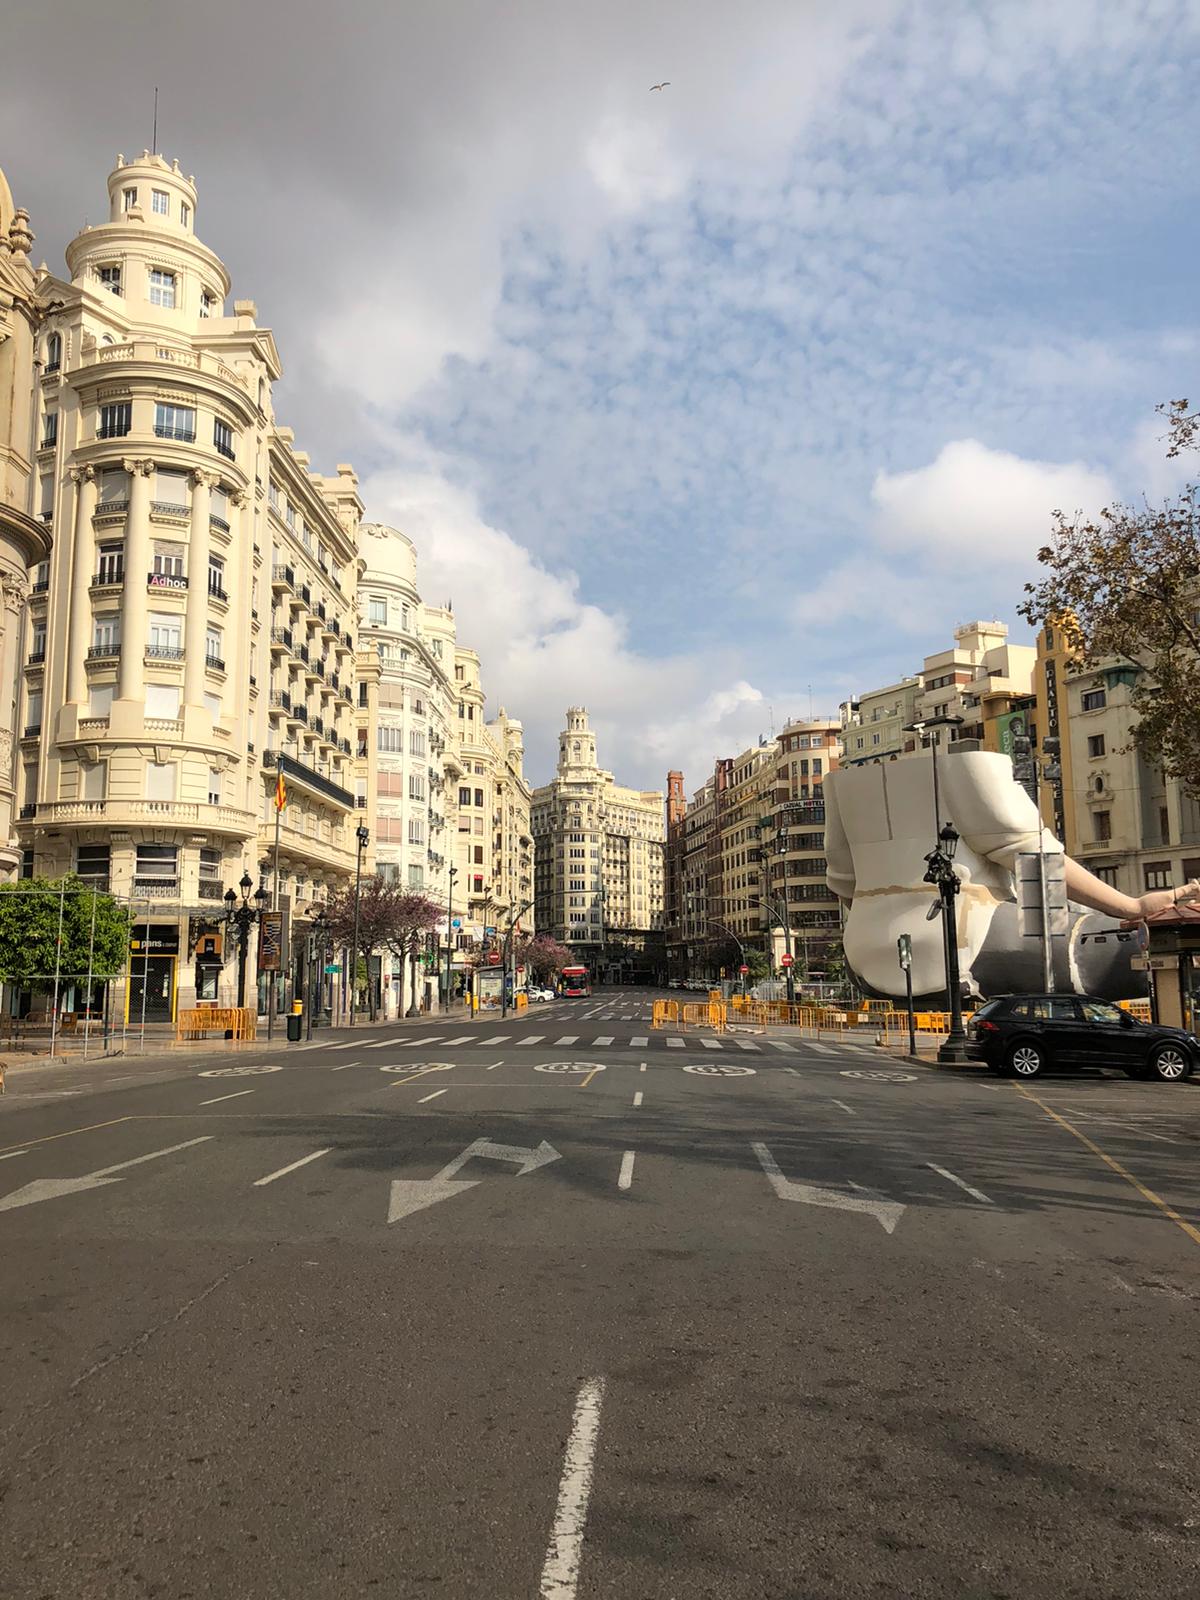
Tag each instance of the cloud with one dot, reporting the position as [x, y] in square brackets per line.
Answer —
[981, 507]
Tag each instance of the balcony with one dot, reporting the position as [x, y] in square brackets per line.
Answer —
[281, 639]
[344, 746]
[214, 521]
[213, 663]
[28, 810]
[280, 702]
[301, 653]
[310, 778]
[210, 891]
[283, 578]
[32, 730]
[180, 435]
[300, 714]
[306, 594]
[362, 802]
[36, 657]
[156, 888]
[164, 652]
[41, 586]
[170, 508]
[318, 726]
[215, 592]
[108, 580]
[103, 652]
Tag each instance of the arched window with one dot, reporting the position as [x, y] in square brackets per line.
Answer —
[54, 352]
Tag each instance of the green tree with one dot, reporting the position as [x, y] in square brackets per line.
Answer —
[540, 955]
[30, 952]
[1123, 590]
[759, 964]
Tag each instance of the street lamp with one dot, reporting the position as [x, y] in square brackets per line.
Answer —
[242, 918]
[782, 920]
[449, 938]
[741, 947]
[318, 933]
[939, 870]
[363, 835]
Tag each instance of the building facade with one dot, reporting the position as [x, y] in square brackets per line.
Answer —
[194, 634]
[28, 359]
[599, 860]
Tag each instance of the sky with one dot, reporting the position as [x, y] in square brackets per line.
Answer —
[708, 406]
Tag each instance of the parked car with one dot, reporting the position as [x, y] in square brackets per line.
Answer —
[535, 993]
[1026, 1034]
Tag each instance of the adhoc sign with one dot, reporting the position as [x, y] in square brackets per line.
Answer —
[270, 941]
[166, 580]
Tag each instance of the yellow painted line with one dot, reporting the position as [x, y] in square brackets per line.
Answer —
[1192, 1232]
[590, 1076]
[24, 1144]
[400, 1082]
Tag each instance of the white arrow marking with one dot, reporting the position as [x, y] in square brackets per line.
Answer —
[415, 1194]
[886, 1212]
[51, 1188]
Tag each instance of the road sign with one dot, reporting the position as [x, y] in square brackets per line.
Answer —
[456, 922]
[493, 958]
[332, 971]
[489, 933]
[786, 961]
[743, 971]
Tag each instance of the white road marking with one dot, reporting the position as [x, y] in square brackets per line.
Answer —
[496, 1064]
[976, 1194]
[637, 1099]
[235, 1096]
[348, 1045]
[415, 1044]
[237, 1072]
[568, 1038]
[345, 1066]
[711, 1044]
[496, 1038]
[432, 1096]
[639, 1043]
[821, 1049]
[52, 1188]
[795, 1071]
[283, 1171]
[463, 1038]
[782, 1044]
[560, 1574]
[606, 1038]
[674, 1044]
[11, 1153]
[886, 1212]
[845, 1108]
[719, 1071]
[533, 1038]
[642, 1068]
[744, 1044]
[625, 1180]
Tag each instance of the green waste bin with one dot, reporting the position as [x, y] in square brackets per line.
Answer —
[294, 1024]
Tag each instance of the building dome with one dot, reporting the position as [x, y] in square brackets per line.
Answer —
[156, 189]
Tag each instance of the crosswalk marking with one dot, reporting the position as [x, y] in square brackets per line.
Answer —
[497, 1038]
[414, 1044]
[782, 1044]
[674, 1044]
[349, 1045]
[568, 1038]
[821, 1049]
[379, 1044]
[463, 1038]
[711, 1044]
[534, 1038]
[639, 1043]
[745, 1044]
[605, 1038]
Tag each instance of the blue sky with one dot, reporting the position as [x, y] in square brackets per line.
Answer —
[693, 400]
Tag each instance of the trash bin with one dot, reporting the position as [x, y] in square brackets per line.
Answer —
[297, 1008]
[294, 1023]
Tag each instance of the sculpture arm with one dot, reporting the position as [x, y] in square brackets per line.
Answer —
[839, 863]
[1088, 890]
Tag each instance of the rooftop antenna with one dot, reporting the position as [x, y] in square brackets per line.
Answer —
[154, 140]
[771, 717]
[810, 703]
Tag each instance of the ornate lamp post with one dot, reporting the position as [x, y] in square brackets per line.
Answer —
[242, 918]
[363, 836]
[507, 949]
[449, 937]
[940, 871]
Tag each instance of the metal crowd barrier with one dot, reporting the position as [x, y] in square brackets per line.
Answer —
[239, 1022]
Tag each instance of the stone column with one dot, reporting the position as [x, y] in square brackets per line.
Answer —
[83, 565]
[196, 624]
[134, 606]
[14, 596]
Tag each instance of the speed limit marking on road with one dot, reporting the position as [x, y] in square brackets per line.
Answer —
[706, 1069]
[418, 1066]
[569, 1066]
[880, 1077]
[237, 1072]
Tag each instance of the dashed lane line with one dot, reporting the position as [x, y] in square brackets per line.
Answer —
[237, 1095]
[625, 1177]
[560, 1572]
[433, 1096]
[292, 1167]
[976, 1194]
[845, 1108]
[637, 1099]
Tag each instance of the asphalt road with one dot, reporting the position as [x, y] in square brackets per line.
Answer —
[556, 1308]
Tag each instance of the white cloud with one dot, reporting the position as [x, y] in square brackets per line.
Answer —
[982, 507]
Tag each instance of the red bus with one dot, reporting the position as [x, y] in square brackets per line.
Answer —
[575, 982]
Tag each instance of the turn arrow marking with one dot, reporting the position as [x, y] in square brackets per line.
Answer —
[51, 1188]
[415, 1194]
[886, 1212]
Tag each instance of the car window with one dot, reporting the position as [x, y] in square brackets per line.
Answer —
[1098, 1011]
[1020, 1009]
[1053, 1010]
[990, 1009]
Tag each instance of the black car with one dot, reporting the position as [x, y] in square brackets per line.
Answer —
[1025, 1034]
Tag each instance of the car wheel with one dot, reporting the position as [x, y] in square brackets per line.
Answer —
[1025, 1060]
[1170, 1063]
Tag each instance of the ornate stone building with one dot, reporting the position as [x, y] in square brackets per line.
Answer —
[26, 361]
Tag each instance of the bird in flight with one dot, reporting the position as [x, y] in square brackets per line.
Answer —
[655, 86]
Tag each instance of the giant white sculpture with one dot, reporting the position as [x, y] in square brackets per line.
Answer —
[880, 823]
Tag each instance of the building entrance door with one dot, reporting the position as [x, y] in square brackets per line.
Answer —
[155, 976]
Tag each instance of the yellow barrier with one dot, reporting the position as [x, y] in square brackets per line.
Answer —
[695, 1014]
[238, 1021]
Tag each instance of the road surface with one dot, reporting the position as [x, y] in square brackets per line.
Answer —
[560, 1307]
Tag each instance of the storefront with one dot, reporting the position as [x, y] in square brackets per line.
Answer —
[1172, 964]
[150, 993]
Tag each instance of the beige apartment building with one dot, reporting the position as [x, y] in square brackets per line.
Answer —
[192, 635]
[599, 860]
[27, 360]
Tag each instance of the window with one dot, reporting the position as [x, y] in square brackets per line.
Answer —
[185, 214]
[128, 199]
[1094, 700]
[160, 780]
[212, 647]
[479, 797]
[92, 860]
[464, 796]
[166, 634]
[1106, 875]
[390, 740]
[157, 861]
[212, 704]
[207, 303]
[167, 560]
[416, 877]
[94, 785]
[216, 577]
[816, 767]
[106, 634]
[1100, 1011]
[162, 700]
[416, 830]
[175, 422]
[1095, 746]
[1164, 824]
[477, 883]
[222, 438]
[115, 421]
[416, 786]
[362, 694]
[377, 612]
[214, 786]
[289, 515]
[114, 485]
[110, 568]
[110, 279]
[50, 430]
[162, 288]
[160, 202]
[33, 709]
[416, 743]
[1157, 874]
[1102, 826]
[273, 497]
[54, 352]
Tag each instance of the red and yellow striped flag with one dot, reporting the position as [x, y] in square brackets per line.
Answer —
[280, 793]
